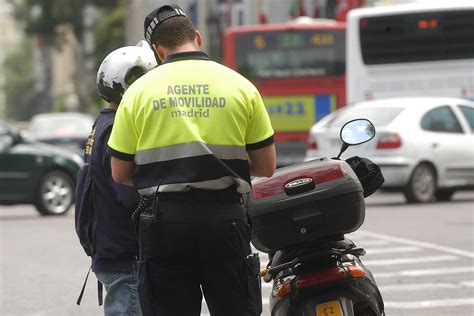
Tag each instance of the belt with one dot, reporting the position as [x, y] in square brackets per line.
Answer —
[229, 194]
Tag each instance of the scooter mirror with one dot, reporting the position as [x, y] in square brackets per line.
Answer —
[357, 132]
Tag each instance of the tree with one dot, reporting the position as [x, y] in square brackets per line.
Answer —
[20, 96]
[109, 34]
[43, 18]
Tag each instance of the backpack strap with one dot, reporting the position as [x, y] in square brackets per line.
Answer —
[79, 299]
[99, 290]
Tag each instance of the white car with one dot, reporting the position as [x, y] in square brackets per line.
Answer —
[424, 146]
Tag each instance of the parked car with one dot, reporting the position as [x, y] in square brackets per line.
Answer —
[69, 129]
[36, 173]
[424, 146]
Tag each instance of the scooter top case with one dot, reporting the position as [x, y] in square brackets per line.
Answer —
[317, 199]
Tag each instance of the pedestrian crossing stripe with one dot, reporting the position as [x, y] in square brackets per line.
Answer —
[399, 261]
[425, 272]
[430, 304]
[425, 286]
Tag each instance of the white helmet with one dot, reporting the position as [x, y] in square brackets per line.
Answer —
[121, 68]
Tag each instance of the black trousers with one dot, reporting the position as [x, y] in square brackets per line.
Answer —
[193, 248]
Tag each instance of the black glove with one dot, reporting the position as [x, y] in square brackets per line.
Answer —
[368, 172]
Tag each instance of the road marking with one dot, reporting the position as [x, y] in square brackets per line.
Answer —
[427, 304]
[391, 250]
[450, 250]
[391, 262]
[368, 239]
[424, 286]
[425, 272]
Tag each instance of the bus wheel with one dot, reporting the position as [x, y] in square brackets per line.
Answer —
[422, 185]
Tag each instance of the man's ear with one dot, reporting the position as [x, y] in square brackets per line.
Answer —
[159, 51]
[198, 38]
[153, 49]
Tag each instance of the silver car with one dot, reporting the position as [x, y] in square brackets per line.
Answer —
[66, 129]
[424, 146]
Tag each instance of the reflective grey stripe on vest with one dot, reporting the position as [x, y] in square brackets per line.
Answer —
[217, 184]
[193, 149]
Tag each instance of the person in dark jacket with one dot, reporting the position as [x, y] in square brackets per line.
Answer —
[116, 246]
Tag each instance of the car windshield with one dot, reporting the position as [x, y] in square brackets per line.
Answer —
[60, 126]
[377, 115]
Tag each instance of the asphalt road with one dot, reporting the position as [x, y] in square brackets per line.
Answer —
[422, 257]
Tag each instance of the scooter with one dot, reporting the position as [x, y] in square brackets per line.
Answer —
[300, 216]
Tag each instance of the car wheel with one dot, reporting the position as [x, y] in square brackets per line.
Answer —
[444, 195]
[55, 193]
[422, 185]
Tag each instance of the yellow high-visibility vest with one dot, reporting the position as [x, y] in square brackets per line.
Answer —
[188, 124]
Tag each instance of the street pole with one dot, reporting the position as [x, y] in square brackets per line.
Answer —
[202, 14]
[136, 11]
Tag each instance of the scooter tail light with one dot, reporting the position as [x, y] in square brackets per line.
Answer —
[284, 289]
[324, 276]
[389, 141]
[356, 271]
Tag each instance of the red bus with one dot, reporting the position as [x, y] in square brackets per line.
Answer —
[298, 67]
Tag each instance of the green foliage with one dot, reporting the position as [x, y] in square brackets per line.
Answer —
[20, 82]
[109, 33]
[41, 17]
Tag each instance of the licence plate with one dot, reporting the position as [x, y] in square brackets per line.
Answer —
[332, 308]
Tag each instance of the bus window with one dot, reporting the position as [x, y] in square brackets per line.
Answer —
[411, 50]
[290, 54]
[417, 37]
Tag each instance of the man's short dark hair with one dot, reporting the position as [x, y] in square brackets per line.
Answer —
[174, 31]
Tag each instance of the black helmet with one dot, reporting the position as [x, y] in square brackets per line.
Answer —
[152, 20]
[121, 68]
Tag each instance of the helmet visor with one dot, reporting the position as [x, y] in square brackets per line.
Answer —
[133, 74]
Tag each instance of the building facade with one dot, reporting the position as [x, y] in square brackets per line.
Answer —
[212, 17]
